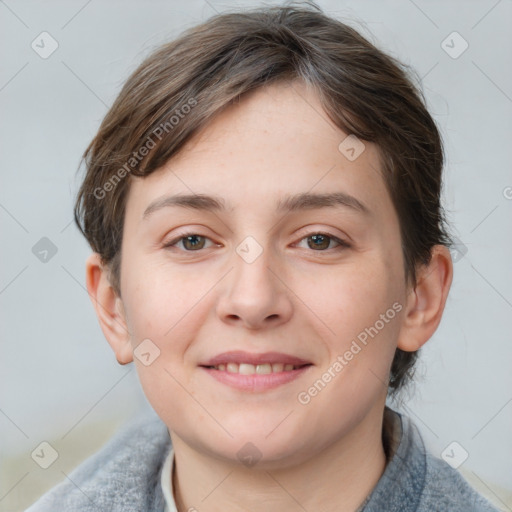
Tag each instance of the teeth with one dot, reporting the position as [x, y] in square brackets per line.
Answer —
[246, 369]
[264, 369]
[232, 368]
[260, 369]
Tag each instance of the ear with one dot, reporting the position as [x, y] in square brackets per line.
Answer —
[425, 303]
[109, 309]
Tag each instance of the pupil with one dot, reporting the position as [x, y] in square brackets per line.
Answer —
[193, 240]
[321, 239]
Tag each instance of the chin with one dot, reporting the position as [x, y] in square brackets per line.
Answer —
[254, 450]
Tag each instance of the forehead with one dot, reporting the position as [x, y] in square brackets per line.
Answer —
[274, 143]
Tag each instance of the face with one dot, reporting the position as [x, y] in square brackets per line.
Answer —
[251, 299]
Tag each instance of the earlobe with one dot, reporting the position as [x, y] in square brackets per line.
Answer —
[426, 302]
[109, 309]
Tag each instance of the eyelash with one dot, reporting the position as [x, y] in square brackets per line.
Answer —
[341, 243]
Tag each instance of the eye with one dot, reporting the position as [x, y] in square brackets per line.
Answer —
[191, 242]
[321, 241]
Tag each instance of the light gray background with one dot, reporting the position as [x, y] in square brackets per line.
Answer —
[59, 379]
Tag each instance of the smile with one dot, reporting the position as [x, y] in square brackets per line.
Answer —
[255, 373]
[259, 369]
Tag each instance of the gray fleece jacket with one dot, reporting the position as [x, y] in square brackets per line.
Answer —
[124, 476]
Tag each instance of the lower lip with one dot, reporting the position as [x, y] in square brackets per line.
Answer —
[256, 382]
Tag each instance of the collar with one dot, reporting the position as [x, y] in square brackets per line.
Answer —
[166, 480]
[406, 468]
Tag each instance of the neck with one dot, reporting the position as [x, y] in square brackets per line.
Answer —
[345, 472]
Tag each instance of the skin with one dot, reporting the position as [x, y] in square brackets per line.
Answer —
[294, 298]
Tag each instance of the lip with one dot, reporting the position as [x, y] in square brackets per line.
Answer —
[255, 382]
[239, 356]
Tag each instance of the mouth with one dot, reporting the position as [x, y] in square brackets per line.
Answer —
[259, 369]
[255, 372]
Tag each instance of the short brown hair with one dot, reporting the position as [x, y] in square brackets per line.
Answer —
[364, 91]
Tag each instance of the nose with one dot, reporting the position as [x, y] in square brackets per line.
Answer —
[254, 294]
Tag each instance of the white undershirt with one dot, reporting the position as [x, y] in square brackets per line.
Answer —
[166, 482]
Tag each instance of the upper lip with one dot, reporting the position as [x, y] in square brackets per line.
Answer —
[239, 356]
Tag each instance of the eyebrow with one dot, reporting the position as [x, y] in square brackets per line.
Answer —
[297, 202]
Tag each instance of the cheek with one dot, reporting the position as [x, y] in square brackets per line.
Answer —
[164, 307]
[363, 315]
[351, 298]
[360, 307]
[158, 298]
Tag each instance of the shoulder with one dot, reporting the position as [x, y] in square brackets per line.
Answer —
[414, 480]
[441, 488]
[123, 475]
[445, 489]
